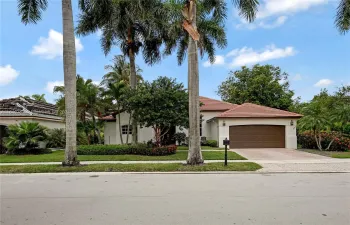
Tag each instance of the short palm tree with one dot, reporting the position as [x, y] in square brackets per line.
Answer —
[342, 18]
[133, 25]
[120, 70]
[30, 11]
[38, 97]
[204, 20]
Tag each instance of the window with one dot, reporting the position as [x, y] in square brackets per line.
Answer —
[125, 129]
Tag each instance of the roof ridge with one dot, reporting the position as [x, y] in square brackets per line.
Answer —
[266, 107]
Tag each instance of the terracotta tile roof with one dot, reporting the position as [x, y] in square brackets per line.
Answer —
[108, 118]
[210, 104]
[249, 110]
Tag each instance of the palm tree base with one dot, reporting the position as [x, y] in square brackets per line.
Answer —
[71, 163]
[195, 161]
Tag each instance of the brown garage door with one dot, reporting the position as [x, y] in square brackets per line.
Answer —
[257, 136]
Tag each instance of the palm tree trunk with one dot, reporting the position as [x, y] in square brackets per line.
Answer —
[120, 127]
[127, 137]
[133, 85]
[95, 128]
[69, 65]
[194, 153]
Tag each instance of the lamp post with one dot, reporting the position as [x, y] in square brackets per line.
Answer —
[226, 142]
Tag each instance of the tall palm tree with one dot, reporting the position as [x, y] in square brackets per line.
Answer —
[203, 21]
[30, 11]
[342, 18]
[133, 25]
[120, 70]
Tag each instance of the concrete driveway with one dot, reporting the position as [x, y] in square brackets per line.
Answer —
[276, 154]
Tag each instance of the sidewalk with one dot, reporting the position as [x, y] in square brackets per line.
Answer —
[269, 166]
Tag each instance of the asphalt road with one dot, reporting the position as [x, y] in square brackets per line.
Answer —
[167, 199]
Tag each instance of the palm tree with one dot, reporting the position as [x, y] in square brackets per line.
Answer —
[30, 11]
[133, 25]
[204, 22]
[89, 101]
[342, 18]
[39, 97]
[120, 70]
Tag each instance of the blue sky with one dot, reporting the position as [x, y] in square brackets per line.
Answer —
[299, 36]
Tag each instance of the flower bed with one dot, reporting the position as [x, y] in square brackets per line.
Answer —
[340, 143]
[138, 149]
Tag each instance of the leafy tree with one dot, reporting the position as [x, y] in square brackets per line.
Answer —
[39, 97]
[264, 85]
[204, 20]
[30, 12]
[24, 135]
[160, 105]
[342, 19]
[134, 25]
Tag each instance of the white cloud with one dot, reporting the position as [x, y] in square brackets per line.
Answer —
[247, 56]
[7, 74]
[96, 82]
[219, 60]
[277, 11]
[52, 46]
[51, 84]
[323, 83]
[99, 33]
[297, 77]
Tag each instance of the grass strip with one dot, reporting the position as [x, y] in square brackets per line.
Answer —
[171, 167]
[58, 156]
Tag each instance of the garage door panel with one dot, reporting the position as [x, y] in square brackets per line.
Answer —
[257, 136]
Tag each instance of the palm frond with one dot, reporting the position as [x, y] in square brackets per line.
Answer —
[342, 18]
[247, 8]
[31, 10]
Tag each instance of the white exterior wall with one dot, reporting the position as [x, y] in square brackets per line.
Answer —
[112, 134]
[208, 130]
[290, 131]
[214, 129]
[51, 124]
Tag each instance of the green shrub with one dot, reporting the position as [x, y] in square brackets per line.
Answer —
[212, 143]
[25, 135]
[56, 138]
[180, 137]
[82, 139]
[307, 140]
[33, 151]
[138, 149]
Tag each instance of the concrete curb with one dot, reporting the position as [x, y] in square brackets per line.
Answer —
[167, 173]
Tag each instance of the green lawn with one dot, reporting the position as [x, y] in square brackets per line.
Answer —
[202, 147]
[171, 167]
[57, 156]
[341, 155]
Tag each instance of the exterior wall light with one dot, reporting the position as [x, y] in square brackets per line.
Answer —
[291, 122]
[224, 123]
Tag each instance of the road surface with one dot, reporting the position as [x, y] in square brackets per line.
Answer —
[170, 199]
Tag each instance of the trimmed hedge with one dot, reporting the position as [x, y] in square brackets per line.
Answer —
[212, 143]
[138, 149]
[307, 140]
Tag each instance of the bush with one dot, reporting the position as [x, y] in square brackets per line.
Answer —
[56, 138]
[212, 143]
[33, 151]
[138, 149]
[180, 137]
[307, 140]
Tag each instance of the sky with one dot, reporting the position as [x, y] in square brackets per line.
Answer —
[299, 36]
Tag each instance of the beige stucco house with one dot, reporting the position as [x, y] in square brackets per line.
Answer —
[16, 110]
[246, 126]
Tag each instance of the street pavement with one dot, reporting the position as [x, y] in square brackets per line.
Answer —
[159, 199]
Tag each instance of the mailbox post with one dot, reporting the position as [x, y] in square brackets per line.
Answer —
[226, 142]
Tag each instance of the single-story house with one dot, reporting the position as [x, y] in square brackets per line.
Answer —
[16, 110]
[246, 126]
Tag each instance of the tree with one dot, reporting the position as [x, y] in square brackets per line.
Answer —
[264, 85]
[134, 25]
[39, 97]
[30, 12]
[161, 105]
[120, 71]
[342, 18]
[89, 101]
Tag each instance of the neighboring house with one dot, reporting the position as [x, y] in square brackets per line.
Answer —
[16, 110]
[246, 126]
